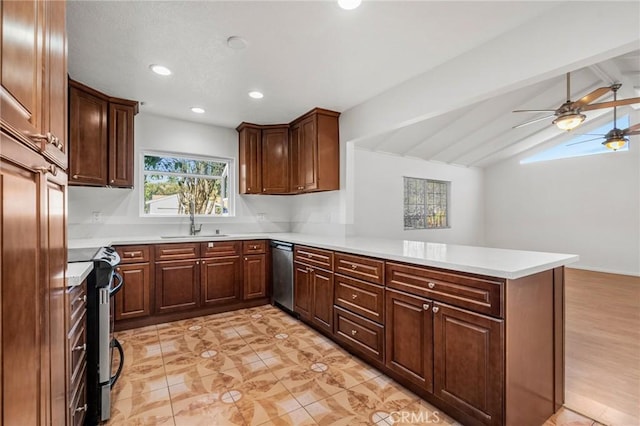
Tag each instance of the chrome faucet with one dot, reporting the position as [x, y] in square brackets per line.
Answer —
[193, 230]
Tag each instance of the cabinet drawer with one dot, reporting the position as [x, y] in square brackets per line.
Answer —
[360, 297]
[314, 257]
[220, 248]
[177, 251]
[77, 405]
[254, 247]
[359, 333]
[77, 350]
[133, 254]
[480, 294]
[77, 297]
[364, 268]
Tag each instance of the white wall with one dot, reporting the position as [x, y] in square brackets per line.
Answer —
[379, 198]
[120, 208]
[589, 206]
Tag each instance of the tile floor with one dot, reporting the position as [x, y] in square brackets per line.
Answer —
[260, 366]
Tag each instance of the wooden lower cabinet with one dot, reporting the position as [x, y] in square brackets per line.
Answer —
[468, 362]
[221, 279]
[76, 353]
[409, 337]
[322, 299]
[302, 291]
[177, 285]
[255, 276]
[134, 299]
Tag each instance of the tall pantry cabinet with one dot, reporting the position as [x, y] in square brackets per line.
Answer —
[33, 211]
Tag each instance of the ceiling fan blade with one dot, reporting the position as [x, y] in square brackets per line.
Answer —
[631, 129]
[611, 104]
[534, 110]
[526, 123]
[587, 99]
[637, 132]
[588, 140]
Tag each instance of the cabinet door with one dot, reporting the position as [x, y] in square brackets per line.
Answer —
[302, 290]
[21, 71]
[21, 267]
[87, 138]
[221, 280]
[55, 91]
[469, 362]
[296, 183]
[409, 337]
[275, 160]
[255, 276]
[322, 306]
[308, 154]
[55, 242]
[134, 299]
[177, 285]
[250, 161]
[121, 145]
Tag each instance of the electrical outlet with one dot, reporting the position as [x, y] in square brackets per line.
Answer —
[96, 217]
[261, 217]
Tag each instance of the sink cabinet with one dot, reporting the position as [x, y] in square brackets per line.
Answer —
[221, 272]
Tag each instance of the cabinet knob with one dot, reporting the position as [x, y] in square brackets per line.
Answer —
[111, 181]
[118, 269]
[435, 309]
[354, 296]
[83, 299]
[82, 347]
[431, 285]
[246, 258]
[48, 169]
[354, 332]
[426, 307]
[81, 409]
[197, 262]
[248, 189]
[75, 176]
[354, 266]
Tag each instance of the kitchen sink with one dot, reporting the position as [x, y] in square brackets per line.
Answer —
[204, 236]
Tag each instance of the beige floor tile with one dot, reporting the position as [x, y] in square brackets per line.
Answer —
[213, 384]
[152, 408]
[125, 387]
[565, 417]
[345, 409]
[267, 400]
[298, 417]
[614, 417]
[382, 393]
[206, 409]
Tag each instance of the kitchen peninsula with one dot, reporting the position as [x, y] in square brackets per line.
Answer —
[475, 331]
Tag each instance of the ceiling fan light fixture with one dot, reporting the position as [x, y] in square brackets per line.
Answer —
[569, 121]
[349, 4]
[615, 143]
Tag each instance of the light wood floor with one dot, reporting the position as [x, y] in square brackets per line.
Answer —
[602, 345]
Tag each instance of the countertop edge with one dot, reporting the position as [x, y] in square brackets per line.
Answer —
[77, 272]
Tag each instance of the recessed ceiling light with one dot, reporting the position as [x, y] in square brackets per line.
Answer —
[236, 43]
[256, 95]
[159, 69]
[197, 110]
[349, 4]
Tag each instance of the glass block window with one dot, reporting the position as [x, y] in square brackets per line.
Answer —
[426, 203]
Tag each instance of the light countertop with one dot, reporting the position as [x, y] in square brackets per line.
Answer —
[78, 272]
[501, 263]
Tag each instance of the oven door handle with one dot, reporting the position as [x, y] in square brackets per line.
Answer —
[117, 288]
[115, 377]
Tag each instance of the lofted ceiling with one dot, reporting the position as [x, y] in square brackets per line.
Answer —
[303, 54]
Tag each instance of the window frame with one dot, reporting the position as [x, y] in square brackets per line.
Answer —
[231, 193]
[426, 202]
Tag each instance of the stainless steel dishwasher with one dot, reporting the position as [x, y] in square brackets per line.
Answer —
[282, 270]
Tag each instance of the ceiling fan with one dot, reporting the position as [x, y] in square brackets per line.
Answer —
[615, 138]
[569, 114]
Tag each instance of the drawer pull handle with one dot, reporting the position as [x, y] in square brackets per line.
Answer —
[82, 347]
[435, 309]
[75, 176]
[431, 285]
[426, 307]
[81, 409]
[354, 332]
[83, 299]
[354, 296]
[354, 266]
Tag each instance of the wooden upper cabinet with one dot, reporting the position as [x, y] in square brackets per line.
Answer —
[275, 160]
[55, 84]
[303, 156]
[34, 76]
[121, 144]
[101, 137]
[250, 141]
[88, 137]
[316, 152]
[21, 59]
